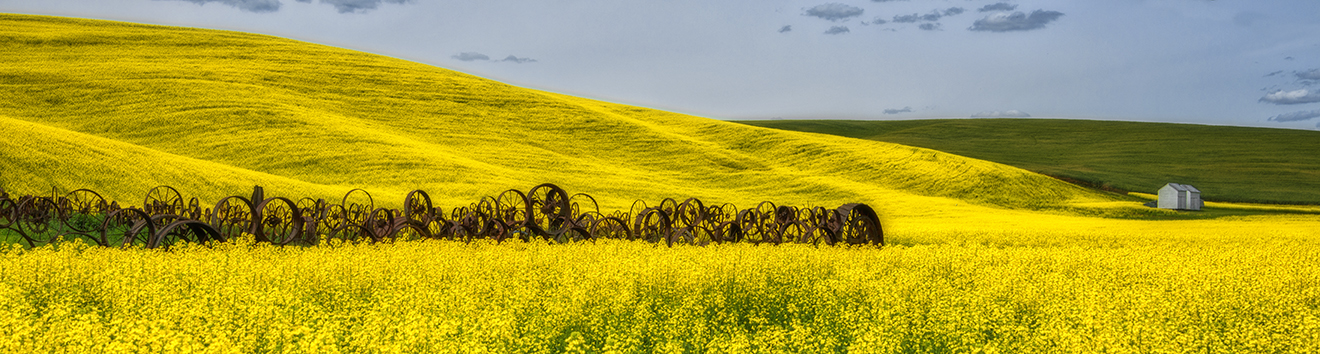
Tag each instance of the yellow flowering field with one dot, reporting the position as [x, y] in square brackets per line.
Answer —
[631, 297]
[981, 257]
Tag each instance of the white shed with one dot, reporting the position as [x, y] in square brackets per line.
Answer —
[1180, 197]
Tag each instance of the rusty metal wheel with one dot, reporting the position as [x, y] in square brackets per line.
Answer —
[549, 212]
[163, 200]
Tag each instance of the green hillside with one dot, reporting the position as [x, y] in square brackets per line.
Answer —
[1227, 163]
[123, 107]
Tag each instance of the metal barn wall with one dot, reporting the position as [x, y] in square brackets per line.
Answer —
[1168, 198]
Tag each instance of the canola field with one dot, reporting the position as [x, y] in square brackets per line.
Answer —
[980, 257]
[633, 297]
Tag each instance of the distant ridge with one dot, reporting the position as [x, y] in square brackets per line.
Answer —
[1236, 164]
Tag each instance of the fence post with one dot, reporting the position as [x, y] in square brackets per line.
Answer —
[258, 195]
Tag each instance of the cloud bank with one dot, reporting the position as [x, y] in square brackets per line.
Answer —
[474, 56]
[1314, 74]
[837, 30]
[834, 11]
[518, 60]
[1017, 21]
[470, 56]
[1291, 97]
[933, 16]
[1012, 113]
[897, 111]
[1296, 116]
[1003, 6]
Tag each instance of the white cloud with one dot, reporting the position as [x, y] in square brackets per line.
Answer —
[1291, 97]
[837, 30]
[897, 111]
[834, 11]
[470, 56]
[1017, 21]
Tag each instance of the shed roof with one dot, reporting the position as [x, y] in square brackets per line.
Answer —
[1184, 187]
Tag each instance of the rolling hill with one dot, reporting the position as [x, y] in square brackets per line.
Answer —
[1234, 164]
[122, 107]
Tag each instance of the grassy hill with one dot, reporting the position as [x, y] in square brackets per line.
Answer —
[1227, 163]
[123, 107]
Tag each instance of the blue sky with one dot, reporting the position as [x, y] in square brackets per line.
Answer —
[1247, 63]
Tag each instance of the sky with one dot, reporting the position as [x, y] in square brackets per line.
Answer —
[1221, 62]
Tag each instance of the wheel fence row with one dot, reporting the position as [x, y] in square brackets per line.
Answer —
[545, 212]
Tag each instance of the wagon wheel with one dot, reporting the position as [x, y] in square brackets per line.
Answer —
[749, 226]
[161, 236]
[463, 228]
[785, 215]
[361, 199]
[766, 224]
[417, 207]
[279, 221]
[815, 225]
[484, 214]
[715, 216]
[689, 213]
[498, 231]
[456, 215]
[381, 224]
[511, 207]
[357, 214]
[584, 203]
[85, 211]
[358, 206]
[728, 231]
[669, 206]
[311, 208]
[34, 218]
[440, 228]
[611, 228]
[717, 220]
[163, 200]
[313, 215]
[585, 221]
[194, 209]
[860, 225]
[232, 216]
[127, 228]
[814, 235]
[332, 218]
[638, 206]
[653, 226]
[550, 211]
[792, 232]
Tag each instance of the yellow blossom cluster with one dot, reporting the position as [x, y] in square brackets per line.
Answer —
[633, 297]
